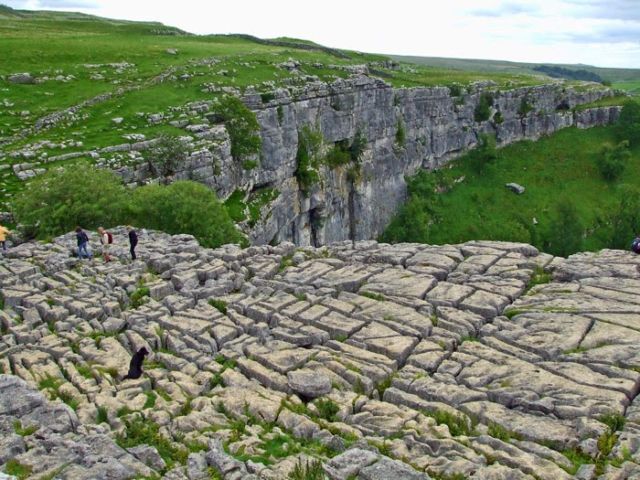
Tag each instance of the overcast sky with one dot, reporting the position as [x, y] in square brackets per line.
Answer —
[603, 33]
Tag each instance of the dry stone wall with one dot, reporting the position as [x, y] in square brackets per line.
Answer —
[485, 360]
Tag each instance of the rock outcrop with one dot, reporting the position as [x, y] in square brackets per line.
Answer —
[486, 360]
[405, 130]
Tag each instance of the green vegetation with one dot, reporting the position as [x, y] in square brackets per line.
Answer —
[24, 431]
[327, 409]
[457, 424]
[308, 471]
[242, 126]
[308, 158]
[539, 277]
[219, 305]
[140, 431]
[567, 206]
[107, 68]
[501, 433]
[613, 160]
[52, 386]
[166, 155]
[102, 416]
[628, 126]
[15, 468]
[62, 199]
[138, 296]
[483, 109]
[373, 296]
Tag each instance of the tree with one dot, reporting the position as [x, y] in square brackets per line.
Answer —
[242, 126]
[613, 160]
[184, 207]
[483, 154]
[628, 126]
[64, 198]
[625, 219]
[565, 234]
[167, 155]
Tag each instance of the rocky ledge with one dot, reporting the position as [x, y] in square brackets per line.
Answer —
[485, 360]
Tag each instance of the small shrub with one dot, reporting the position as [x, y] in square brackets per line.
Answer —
[152, 397]
[140, 431]
[564, 236]
[501, 433]
[166, 155]
[242, 126]
[308, 471]
[482, 111]
[24, 431]
[628, 126]
[455, 90]
[307, 158]
[457, 424]
[336, 157]
[614, 421]
[219, 305]
[525, 107]
[280, 113]
[267, 97]
[327, 409]
[102, 416]
[138, 296]
[15, 468]
[498, 118]
[613, 160]
[483, 154]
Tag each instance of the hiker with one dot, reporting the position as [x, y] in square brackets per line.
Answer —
[83, 242]
[106, 239]
[4, 231]
[635, 245]
[133, 241]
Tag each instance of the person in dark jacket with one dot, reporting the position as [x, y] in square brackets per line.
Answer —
[83, 242]
[133, 241]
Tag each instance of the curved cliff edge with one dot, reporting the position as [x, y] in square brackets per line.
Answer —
[486, 360]
[437, 124]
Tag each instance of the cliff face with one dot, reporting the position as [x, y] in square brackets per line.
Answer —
[435, 127]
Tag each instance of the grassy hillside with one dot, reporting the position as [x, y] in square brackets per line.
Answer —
[561, 169]
[623, 78]
[131, 70]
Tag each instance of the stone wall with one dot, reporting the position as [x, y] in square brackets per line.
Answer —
[437, 127]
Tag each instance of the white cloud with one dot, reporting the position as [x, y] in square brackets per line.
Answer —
[552, 31]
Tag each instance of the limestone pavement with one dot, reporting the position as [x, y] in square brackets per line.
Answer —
[485, 360]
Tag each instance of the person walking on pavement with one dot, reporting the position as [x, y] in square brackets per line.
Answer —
[106, 239]
[4, 231]
[83, 242]
[133, 241]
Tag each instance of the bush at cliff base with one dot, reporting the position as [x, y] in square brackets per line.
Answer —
[184, 207]
[84, 195]
[61, 199]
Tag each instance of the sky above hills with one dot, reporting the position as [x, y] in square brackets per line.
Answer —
[595, 32]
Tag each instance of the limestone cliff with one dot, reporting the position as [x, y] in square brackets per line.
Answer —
[405, 130]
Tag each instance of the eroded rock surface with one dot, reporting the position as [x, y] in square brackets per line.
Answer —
[486, 360]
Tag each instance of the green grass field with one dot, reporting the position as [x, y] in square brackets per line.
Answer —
[557, 169]
[77, 57]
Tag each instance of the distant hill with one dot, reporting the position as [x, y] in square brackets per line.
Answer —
[624, 78]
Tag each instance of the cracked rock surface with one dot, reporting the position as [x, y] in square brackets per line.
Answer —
[485, 360]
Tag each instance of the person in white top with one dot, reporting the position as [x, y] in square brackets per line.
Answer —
[105, 238]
